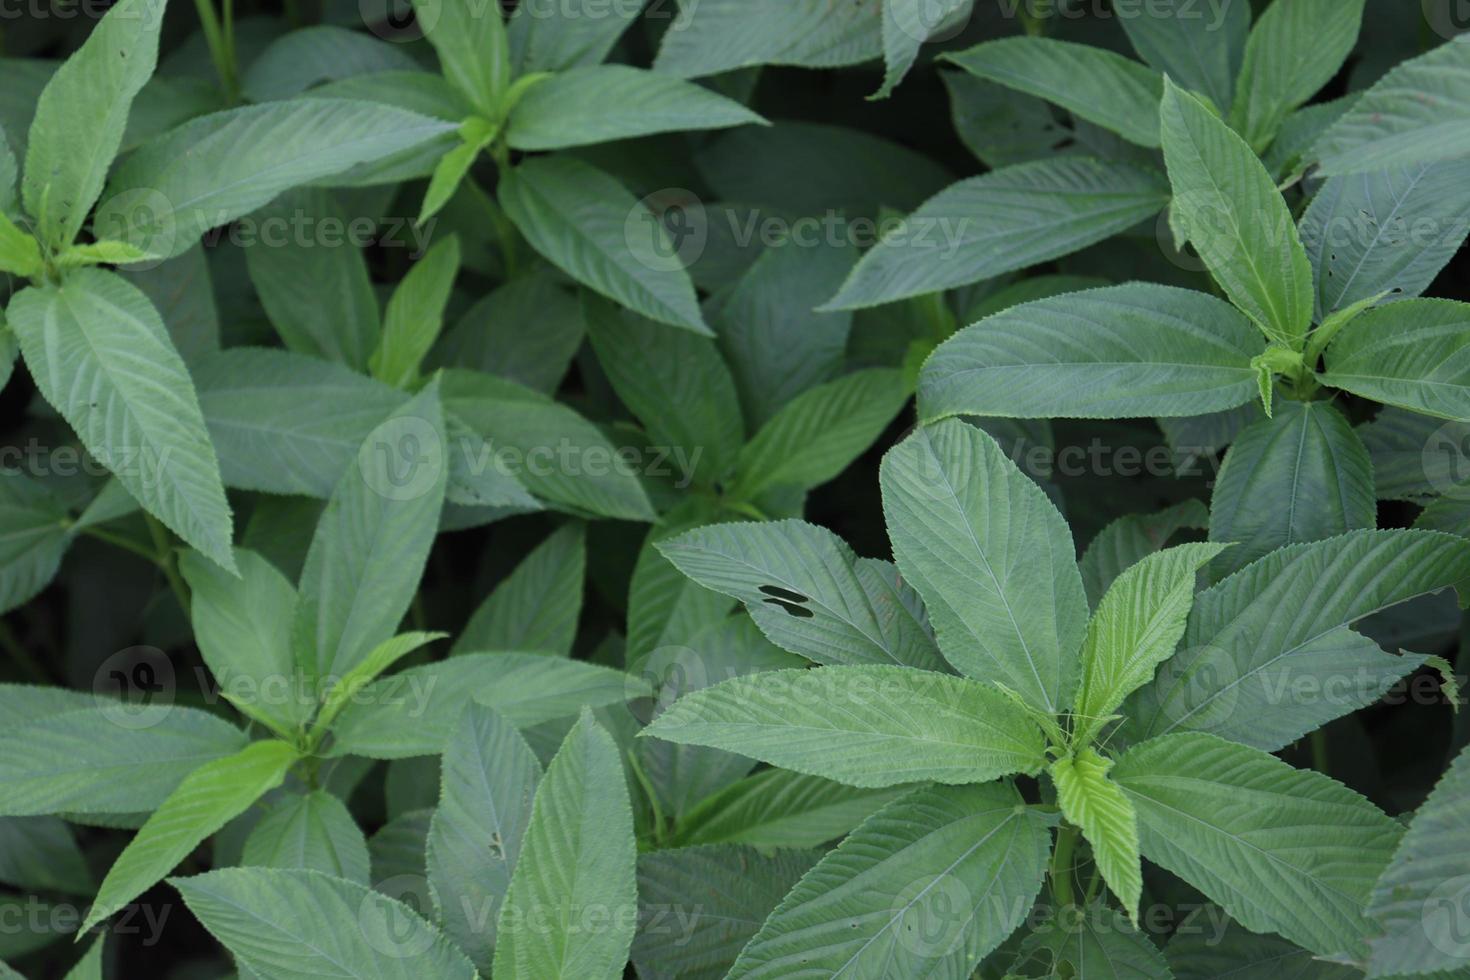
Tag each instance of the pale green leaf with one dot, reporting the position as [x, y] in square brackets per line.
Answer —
[1303, 475]
[992, 559]
[473, 50]
[818, 434]
[1092, 83]
[1199, 46]
[207, 799]
[923, 888]
[777, 808]
[20, 254]
[1417, 906]
[809, 593]
[1137, 625]
[100, 354]
[554, 35]
[1095, 804]
[216, 168]
[1282, 850]
[1006, 220]
[614, 102]
[588, 225]
[103, 755]
[1269, 654]
[82, 114]
[302, 59]
[737, 887]
[304, 925]
[312, 832]
[1414, 354]
[865, 726]
[714, 36]
[1365, 234]
[413, 712]
[490, 778]
[362, 570]
[33, 538]
[567, 913]
[1228, 207]
[1125, 351]
[380, 658]
[415, 315]
[536, 607]
[242, 625]
[1295, 48]
[1417, 113]
[1132, 538]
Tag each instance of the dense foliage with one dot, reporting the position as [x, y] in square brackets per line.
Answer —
[734, 488]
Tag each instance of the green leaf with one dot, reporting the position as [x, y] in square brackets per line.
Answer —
[315, 288]
[1137, 625]
[100, 354]
[1303, 475]
[1420, 895]
[1008, 219]
[20, 254]
[554, 35]
[302, 59]
[1296, 47]
[1092, 83]
[1411, 354]
[1200, 48]
[102, 755]
[242, 624]
[207, 799]
[9, 174]
[1359, 231]
[81, 115]
[720, 35]
[1120, 352]
[1094, 803]
[34, 539]
[1227, 205]
[536, 607]
[1132, 538]
[737, 887]
[1281, 849]
[475, 135]
[312, 832]
[491, 335]
[472, 47]
[777, 808]
[40, 853]
[604, 103]
[299, 924]
[557, 453]
[809, 593]
[674, 382]
[490, 778]
[413, 712]
[865, 726]
[1209, 945]
[592, 228]
[578, 857]
[1416, 114]
[818, 434]
[907, 24]
[925, 887]
[1092, 941]
[362, 570]
[991, 557]
[416, 315]
[384, 655]
[665, 607]
[1268, 654]
[216, 168]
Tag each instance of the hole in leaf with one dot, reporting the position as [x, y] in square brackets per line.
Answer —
[780, 593]
[800, 612]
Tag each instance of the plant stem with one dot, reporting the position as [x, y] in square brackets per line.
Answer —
[1321, 760]
[648, 791]
[119, 541]
[165, 559]
[1061, 866]
[221, 42]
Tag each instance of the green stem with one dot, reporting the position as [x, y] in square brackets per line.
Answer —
[1321, 760]
[221, 41]
[119, 541]
[1061, 866]
[165, 558]
[643, 780]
